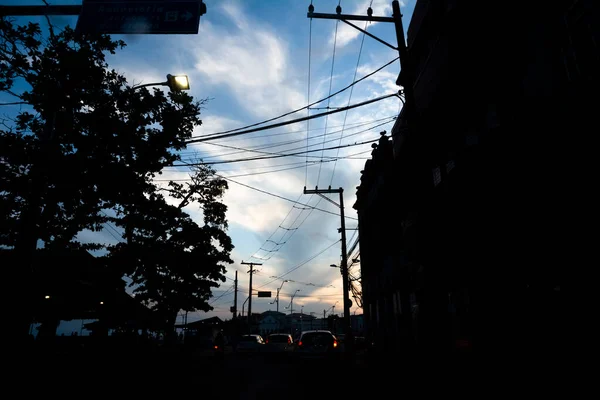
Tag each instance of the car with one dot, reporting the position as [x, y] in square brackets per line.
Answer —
[251, 343]
[279, 343]
[317, 344]
[201, 346]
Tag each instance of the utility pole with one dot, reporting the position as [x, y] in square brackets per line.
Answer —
[344, 266]
[405, 78]
[252, 271]
[235, 297]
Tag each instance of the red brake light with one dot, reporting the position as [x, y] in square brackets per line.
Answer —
[289, 341]
[335, 343]
[216, 347]
[300, 343]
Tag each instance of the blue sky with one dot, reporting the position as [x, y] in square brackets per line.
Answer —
[251, 58]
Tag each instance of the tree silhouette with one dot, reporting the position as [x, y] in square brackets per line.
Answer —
[84, 153]
[174, 262]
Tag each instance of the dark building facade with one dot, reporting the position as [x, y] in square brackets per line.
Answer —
[463, 212]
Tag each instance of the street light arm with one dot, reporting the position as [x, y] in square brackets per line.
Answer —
[150, 84]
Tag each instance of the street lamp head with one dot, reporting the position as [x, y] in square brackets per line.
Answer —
[178, 82]
[333, 266]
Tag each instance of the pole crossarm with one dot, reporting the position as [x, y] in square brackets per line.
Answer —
[350, 17]
[318, 191]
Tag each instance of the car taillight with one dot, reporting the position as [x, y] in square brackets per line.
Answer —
[300, 343]
[267, 341]
[216, 347]
[335, 343]
[289, 341]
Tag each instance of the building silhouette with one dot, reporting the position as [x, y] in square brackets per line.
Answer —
[462, 210]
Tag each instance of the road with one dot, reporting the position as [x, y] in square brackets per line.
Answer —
[186, 373]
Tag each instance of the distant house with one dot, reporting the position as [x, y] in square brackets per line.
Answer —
[271, 321]
[298, 322]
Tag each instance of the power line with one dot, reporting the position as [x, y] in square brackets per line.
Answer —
[223, 294]
[288, 142]
[265, 157]
[351, 91]
[259, 149]
[328, 100]
[301, 264]
[279, 226]
[293, 121]
[239, 139]
[308, 95]
[299, 109]
[298, 227]
[281, 197]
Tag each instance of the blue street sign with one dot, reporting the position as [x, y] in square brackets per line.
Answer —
[141, 17]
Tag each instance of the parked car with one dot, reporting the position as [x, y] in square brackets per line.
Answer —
[279, 343]
[317, 344]
[252, 343]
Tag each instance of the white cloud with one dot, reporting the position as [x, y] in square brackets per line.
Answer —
[252, 62]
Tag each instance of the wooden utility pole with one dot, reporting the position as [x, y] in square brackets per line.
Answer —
[405, 78]
[344, 266]
[252, 271]
[235, 297]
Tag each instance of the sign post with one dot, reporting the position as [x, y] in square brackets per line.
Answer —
[141, 17]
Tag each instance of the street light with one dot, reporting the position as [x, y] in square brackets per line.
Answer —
[333, 308]
[178, 82]
[174, 82]
[277, 297]
[244, 305]
[291, 306]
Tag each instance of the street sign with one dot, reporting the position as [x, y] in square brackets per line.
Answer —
[141, 17]
[264, 294]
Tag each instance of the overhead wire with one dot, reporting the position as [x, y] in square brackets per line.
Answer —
[286, 132]
[311, 209]
[299, 109]
[283, 198]
[223, 294]
[300, 265]
[292, 121]
[255, 149]
[265, 157]
[308, 93]
[351, 91]
[328, 100]
[262, 147]
[311, 164]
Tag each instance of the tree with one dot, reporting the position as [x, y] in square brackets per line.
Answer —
[174, 262]
[84, 152]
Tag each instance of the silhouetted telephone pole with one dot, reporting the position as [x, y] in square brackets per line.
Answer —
[405, 78]
[344, 266]
[252, 271]
[234, 308]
